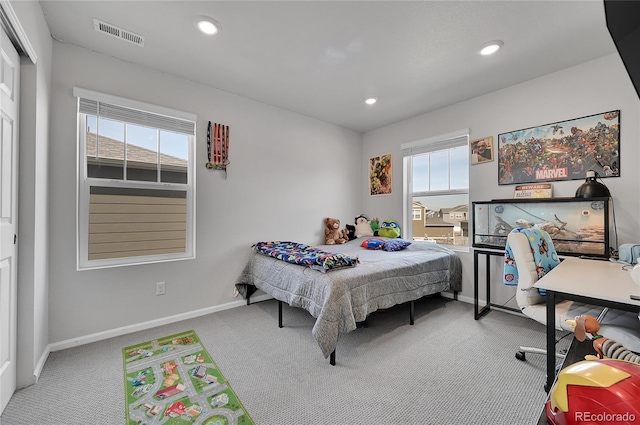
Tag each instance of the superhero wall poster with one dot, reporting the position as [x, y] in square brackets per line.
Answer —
[563, 150]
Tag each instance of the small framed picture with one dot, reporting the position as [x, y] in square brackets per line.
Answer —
[481, 150]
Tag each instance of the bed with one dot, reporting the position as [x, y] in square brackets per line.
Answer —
[341, 297]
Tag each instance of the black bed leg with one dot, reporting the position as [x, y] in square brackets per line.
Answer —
[411, 311]
[248, 299]
[279, 314]
[332, 358]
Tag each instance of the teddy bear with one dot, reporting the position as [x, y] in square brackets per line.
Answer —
[363, 226]
[332, 233]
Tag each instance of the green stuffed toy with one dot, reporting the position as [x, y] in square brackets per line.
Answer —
[389, 229]
[375, 226]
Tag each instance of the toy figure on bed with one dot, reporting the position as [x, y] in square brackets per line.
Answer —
[351, 231]
[332, 233]
[375, 226]
[363, 226]
[389, 229]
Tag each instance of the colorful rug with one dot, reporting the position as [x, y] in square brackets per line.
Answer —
[173, 380]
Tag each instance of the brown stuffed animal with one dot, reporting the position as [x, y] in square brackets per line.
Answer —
[332, 233]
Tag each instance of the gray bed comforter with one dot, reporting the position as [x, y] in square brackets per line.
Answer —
[340, 298]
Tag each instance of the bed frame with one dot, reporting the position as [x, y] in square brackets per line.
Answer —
[332, 356]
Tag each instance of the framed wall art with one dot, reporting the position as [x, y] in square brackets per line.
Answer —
[380, 175]
[481, 150]
[564, 150]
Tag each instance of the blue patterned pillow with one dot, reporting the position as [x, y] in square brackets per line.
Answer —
[373, 243]
[395, 244]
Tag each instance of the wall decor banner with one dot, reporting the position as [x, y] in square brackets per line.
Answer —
[380, 175]
[563, 150]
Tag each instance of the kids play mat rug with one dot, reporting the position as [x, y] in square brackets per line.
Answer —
[173, 380]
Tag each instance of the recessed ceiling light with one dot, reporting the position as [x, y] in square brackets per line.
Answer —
[371, 100]
[491, 47]
[207, 25]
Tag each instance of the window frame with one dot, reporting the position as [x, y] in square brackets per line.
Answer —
[84, 183]
[446, 141]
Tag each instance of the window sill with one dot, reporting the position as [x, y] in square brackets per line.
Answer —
[97, 265]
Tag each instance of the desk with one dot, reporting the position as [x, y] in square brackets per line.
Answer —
[593, 282]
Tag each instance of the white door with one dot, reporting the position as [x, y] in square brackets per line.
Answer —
[9, 83]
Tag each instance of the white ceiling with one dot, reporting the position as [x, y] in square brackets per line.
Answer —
[323, 58]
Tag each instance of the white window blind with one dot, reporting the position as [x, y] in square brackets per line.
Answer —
[432, 144]
[134, 116]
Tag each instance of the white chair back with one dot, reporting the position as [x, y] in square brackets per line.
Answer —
[526, 294]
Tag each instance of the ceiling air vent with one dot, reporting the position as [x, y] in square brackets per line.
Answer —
[117, 32]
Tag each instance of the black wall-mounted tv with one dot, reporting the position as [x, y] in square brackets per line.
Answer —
[623, 23]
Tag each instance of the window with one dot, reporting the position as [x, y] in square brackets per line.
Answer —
[417, 213]
[437, 182]
[136, 188]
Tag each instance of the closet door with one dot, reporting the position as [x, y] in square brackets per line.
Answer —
[9, 94]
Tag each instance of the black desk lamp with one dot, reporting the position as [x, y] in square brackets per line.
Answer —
[591, 188]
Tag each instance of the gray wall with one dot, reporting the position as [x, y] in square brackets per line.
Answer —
[287, 173]
[597, 86]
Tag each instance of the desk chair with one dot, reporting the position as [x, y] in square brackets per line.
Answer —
[620, 326]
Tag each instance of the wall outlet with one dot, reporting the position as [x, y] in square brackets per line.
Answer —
[160, 288]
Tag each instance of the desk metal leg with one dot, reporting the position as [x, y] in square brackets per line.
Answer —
[477, 311]
[475, 285]
[551, 339]
[487, 266]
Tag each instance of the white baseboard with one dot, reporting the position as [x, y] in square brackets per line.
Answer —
[460, 297]
[99, 336]
[41, 362]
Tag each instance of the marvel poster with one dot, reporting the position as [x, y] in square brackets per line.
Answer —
[563, 150]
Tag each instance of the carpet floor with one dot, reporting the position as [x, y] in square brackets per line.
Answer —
[446, 369]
